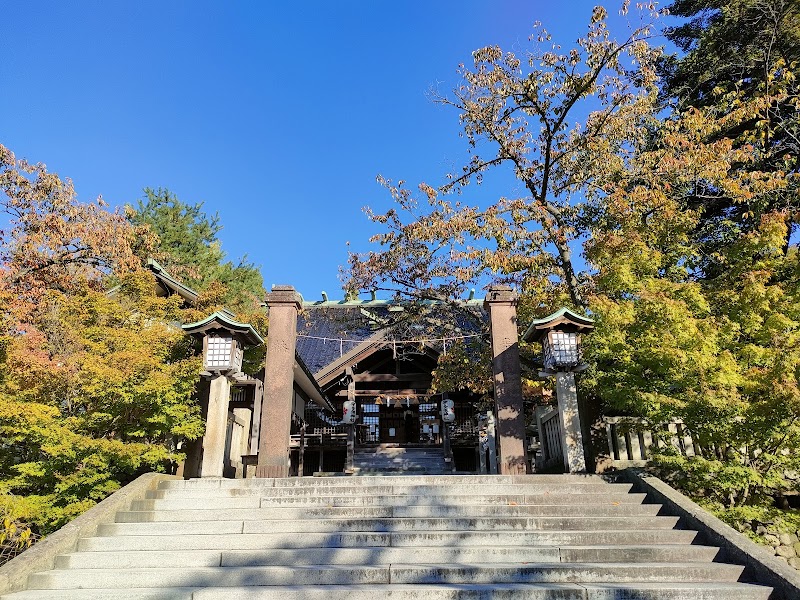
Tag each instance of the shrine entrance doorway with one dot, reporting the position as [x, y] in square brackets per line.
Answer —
[395, 404]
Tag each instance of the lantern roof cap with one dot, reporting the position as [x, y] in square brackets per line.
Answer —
[563, 319]
[221, 320]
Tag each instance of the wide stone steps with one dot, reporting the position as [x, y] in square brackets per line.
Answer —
[448, 537]
[397, 524]
[328, 574]
[397, 539]
[605, 509]
[481, 481]
[493, 591]
[388, 457]
[384, 555]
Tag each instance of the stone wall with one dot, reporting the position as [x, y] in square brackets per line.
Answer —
[785, 546]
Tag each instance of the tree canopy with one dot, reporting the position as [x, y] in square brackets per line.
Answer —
[189, 248]
[683, 213]
[95, 387]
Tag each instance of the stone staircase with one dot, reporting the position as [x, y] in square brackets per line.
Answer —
[537, 537]
[393, 458]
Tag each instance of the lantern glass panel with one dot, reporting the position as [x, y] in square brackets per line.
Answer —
[561, 349]
[218, 354]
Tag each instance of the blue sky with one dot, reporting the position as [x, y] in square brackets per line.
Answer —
[278, 116]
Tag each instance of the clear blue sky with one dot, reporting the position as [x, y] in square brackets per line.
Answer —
[278, 116]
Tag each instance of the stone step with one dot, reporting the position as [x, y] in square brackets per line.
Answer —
[388, 460]
[362, 471]
[384, 556]
[397, 524]
[162, 539]
[540, 591]
[476, 480]
[590, 494]
[454, 537]
[397, 489]
[400, 500]
[385, 512]
[385, 500]
[377, 456]
[405, 573]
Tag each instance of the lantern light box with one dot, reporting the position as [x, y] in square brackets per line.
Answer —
[560, 336]
[224, 341]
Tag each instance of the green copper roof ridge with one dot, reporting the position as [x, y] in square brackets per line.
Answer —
[221, 316]
[560, 313]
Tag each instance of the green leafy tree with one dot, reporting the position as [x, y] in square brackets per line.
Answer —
[696, 308]
[190, 249]
[720, 353]
[98, 390]
[94, 388]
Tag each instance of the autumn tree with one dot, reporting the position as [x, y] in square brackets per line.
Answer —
[685, 217]
[526, 114]
[741, 51]
[721, 353]
[95, 387]
[98, 390]
[53, 241]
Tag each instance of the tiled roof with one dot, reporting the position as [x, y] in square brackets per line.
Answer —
[322, 331]
[329, 330]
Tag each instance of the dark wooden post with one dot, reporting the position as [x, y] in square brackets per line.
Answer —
[302, 450]
[501, 302]
[276, 414]
[492, 438]
[446, 448]
[351, 428]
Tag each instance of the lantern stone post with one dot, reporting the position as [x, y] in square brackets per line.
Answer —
[224, 341]
[276, 414]
[216, 427]
[560, 335]
[501, 303]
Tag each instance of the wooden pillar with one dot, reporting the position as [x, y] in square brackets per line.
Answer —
[351, 428]
[216, 427]
[276, 413]
[301, 454]
[491, 436]
[501, 302]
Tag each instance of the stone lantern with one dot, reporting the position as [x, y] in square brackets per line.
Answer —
[560, 336]
[224, 341]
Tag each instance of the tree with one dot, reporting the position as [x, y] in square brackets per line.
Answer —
[98, 390]
[721, 353]
[521, 115]
[728, 46]
[696, 318]
[738, 51]
[53, 241]
[190, 249]
[94, 387]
